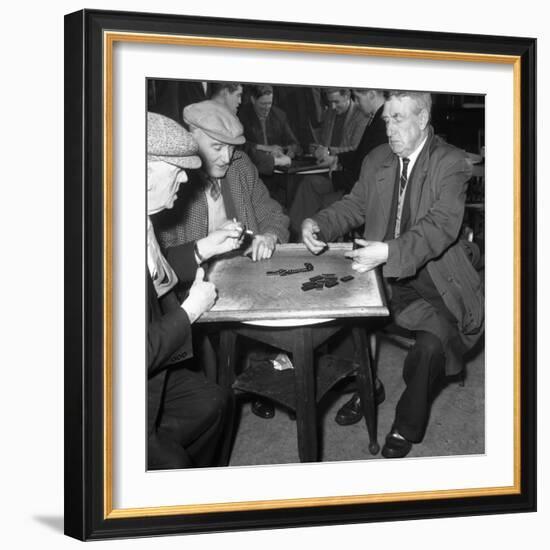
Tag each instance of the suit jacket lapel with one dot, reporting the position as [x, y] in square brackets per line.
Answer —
[385, 183]
[230, 189]
[198, 209]
[418, 179]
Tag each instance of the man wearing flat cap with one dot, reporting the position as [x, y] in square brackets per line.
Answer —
[226, 188]
[187, 414]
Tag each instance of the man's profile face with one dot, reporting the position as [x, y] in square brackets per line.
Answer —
[404, 126]
[216, 156]
[338, 102]
[262, 105]
[233, 99]
[163, 182]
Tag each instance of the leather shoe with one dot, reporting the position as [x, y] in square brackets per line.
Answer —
[396, 446]
[351, 411]
[263, 408]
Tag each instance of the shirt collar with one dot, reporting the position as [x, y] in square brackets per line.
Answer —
[413, 156]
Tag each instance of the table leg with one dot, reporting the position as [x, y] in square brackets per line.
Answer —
[304, 376]
[226, 358]
[365, 385]
[226, 377]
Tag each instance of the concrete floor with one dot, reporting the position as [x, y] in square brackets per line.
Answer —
[456, 427]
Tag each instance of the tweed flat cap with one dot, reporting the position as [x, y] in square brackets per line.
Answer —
[216, 121]
[169, 141]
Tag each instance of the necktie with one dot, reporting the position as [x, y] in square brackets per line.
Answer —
[215, 188]
[404, 177]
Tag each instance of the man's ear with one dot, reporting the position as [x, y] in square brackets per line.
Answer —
[149, 178]
[423, 118]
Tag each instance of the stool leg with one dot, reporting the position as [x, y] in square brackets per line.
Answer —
[365, 385]
[304, 380]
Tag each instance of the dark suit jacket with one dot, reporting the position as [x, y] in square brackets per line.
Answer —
[351, 161]
[168, 330]
[438, 190]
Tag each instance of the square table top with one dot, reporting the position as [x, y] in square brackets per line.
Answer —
[247, 293]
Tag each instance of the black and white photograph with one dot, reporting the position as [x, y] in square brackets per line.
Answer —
[336, 323]
[315, 273]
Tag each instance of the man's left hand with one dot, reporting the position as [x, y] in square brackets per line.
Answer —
[370, 255]
[262, 247]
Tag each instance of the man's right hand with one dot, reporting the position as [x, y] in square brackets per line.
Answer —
[228, 237]
[201, 298]
[310, 228]
[282, 160]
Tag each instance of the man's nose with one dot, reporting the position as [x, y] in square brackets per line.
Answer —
[225, 156]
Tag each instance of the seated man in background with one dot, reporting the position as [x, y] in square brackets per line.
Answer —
[186, 414]
[270, 142]
[317, 192]
[226, 188]
[410, 197]
[343, 124]
[228, 94]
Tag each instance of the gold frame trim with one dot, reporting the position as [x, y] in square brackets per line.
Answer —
[109, 39]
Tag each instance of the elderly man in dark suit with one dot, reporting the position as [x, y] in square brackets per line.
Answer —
[227, 188]
[186, 413]
[410, 197]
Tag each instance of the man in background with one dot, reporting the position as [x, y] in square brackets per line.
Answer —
[228, 94]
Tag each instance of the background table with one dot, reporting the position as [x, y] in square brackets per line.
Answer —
[295, 173]
[246, 293]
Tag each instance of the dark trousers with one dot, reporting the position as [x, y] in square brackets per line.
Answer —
[423, 367]
[194, 418]
[313, 193]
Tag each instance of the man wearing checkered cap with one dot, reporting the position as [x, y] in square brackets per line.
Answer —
[226, 188]
[187, 415]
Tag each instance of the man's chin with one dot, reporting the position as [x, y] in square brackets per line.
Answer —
[218, 172]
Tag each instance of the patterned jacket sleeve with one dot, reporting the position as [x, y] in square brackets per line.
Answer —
[267, 211]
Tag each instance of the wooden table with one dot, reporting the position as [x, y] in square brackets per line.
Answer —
[298, 322]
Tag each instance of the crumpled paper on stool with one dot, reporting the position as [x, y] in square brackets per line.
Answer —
[282, 362]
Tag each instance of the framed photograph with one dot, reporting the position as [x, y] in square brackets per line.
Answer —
[253, 125]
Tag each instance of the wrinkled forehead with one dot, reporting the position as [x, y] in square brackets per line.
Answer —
[202, 138]
[399, 106]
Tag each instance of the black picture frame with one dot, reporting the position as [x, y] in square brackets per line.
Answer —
[87, 514]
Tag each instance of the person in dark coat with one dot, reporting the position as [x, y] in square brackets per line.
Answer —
[410, 197]
[316, 192]
[186, 414]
